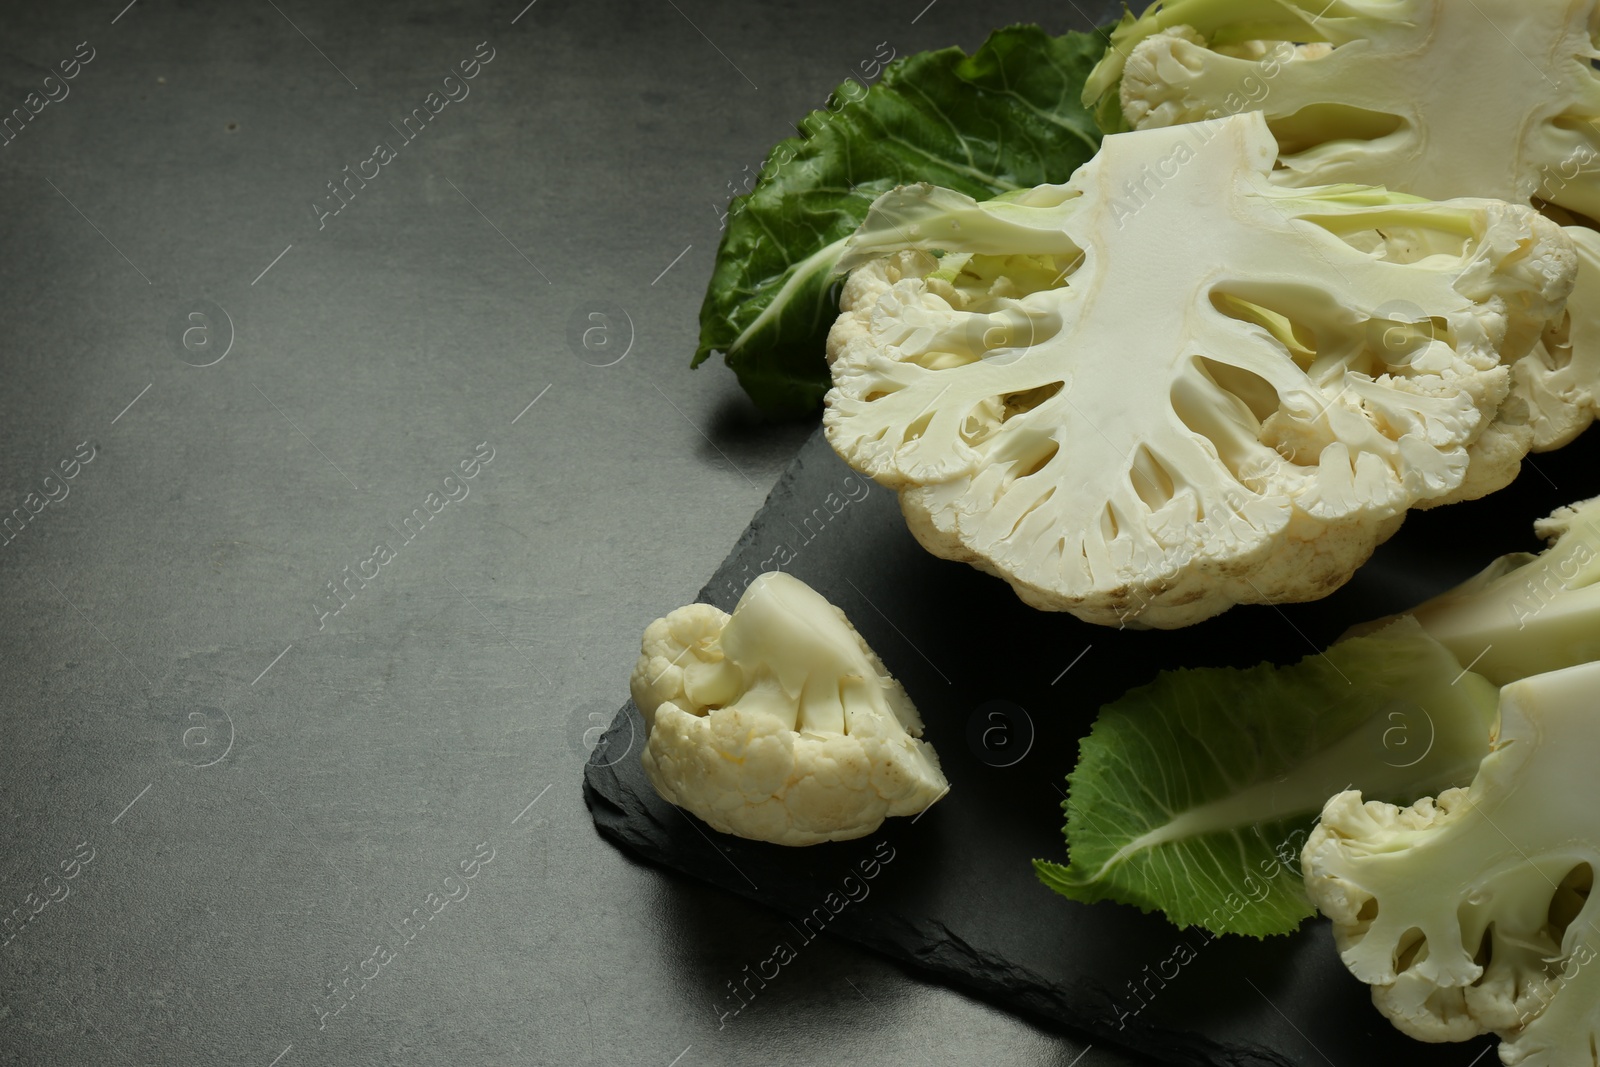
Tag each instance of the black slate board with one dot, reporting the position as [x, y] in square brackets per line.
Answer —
[957, 897]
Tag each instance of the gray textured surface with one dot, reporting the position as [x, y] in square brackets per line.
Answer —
[167, 605]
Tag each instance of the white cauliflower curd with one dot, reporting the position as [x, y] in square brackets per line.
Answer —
[778, 722]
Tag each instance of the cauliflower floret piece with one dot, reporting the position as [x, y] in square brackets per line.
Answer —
[1471, 913]
[778, 723]
[1440, 98]
[1193, 388]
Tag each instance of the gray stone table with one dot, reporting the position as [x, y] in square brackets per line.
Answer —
[252, 792]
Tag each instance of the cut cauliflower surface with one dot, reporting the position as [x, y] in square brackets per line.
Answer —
[1169, 385]
[778, 723]
[1441, 98]
[1473, 913]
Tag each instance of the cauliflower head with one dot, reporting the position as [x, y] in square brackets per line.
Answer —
[1170, 385]
[778, 723]
[1441, 98]
[1472, 913]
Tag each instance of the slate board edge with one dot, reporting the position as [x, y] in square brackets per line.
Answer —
[998, 982]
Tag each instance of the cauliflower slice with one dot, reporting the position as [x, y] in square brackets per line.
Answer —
[1170, 386]
[1441, 98]
[778, 722]
[1472, 913]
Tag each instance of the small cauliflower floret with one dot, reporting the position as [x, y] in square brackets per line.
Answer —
[1170, 385]
[777, 722]
[1472, 913]
[1440, 98]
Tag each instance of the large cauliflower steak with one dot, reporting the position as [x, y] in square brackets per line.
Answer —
[778, 723]
[1169, 385]
[1472, 913]
[1441, 98]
